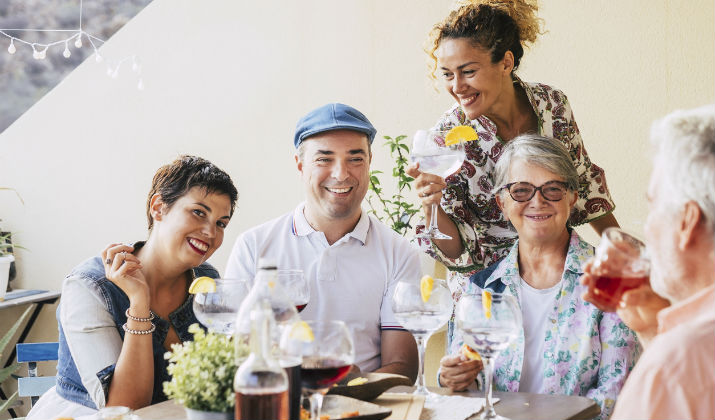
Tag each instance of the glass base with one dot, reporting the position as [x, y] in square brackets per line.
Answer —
[429, 395]
[432, 233]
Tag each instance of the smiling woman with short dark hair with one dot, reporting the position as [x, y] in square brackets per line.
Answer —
[121, 311]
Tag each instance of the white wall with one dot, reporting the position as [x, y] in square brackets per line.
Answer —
[228, 80]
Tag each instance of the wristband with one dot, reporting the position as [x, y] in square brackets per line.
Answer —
[133, 318]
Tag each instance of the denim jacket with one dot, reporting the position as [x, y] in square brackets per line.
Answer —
[90, 318]
[587, 352]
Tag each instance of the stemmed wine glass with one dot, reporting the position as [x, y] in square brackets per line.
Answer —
[327, 358]
[421, 317]
[488, 324]
[296, 286]
[434, 157]
[217, 311]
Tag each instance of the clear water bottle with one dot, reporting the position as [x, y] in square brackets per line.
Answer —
[261, 384]
[266, 287]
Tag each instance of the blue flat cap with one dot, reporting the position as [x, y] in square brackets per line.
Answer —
[330, 117]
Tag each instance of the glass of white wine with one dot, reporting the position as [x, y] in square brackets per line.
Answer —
[489, 322]
[434, 157]
[217, 311]
[422, 314]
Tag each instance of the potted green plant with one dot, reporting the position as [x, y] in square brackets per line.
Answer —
[6, 259]
[202, 374]
[396, 212]
[6, 254]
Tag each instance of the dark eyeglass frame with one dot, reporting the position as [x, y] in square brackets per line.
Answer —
[539, 188]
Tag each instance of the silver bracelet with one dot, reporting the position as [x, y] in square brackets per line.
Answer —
[139, 332]
[133, 318]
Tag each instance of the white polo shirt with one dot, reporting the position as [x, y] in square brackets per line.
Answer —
[351, 280]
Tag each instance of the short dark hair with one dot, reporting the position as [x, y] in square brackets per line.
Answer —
[174, 180]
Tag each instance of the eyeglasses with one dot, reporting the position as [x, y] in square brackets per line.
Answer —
[524, 191]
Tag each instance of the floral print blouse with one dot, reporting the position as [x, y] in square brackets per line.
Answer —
[468, 200]
[587, 352]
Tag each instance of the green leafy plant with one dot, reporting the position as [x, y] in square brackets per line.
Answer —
[202, 371]
[6, 246]
[7, 372]
[397, 211]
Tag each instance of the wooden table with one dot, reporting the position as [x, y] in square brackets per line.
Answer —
[513, 405]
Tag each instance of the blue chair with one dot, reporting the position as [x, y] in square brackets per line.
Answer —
[33, 386]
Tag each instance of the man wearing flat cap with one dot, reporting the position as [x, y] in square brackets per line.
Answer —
[352, 260]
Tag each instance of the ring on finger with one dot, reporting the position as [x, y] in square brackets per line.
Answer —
[108, 261]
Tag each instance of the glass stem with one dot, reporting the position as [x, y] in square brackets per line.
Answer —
[316, 403]
[421, 343]
[489, 412]
[433, 218]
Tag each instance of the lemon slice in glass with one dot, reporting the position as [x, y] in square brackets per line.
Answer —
[487, 303]
[460, 133]
[202, 285]
[426, 286]
[301, 331]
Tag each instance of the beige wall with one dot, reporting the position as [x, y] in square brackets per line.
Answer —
[227, 80]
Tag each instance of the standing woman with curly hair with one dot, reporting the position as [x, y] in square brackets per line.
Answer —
[477, 50]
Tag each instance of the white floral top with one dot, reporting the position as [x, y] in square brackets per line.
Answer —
[587, 352]
[468, 199]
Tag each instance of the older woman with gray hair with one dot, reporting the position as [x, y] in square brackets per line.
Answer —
[567, 346]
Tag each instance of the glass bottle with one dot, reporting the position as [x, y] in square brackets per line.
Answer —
[261, 384]
[284, 314]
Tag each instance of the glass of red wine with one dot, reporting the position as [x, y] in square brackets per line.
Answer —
[620, 263]
[296, 286]
[328, 355]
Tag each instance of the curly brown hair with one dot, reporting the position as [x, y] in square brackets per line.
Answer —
[497, 26]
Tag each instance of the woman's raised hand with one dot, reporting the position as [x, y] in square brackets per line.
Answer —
[457, 372]
[124, 269]
[428, 187]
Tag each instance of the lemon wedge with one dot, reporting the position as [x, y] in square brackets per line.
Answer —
[301, 331]
[202, 285]
[487, 303]
[357, 381]
[460, 133]
[470, 353]
[426, 286]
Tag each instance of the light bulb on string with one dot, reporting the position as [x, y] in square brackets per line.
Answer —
[11, 49]
[97, 57]
[78, 42]
[66, 53]
[35, 53]
[109, 70]
[140, 85]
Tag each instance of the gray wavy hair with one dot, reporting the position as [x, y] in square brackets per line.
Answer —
[684, 143]
[540, 151]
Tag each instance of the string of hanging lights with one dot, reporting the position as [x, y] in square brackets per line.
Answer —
[39, 50]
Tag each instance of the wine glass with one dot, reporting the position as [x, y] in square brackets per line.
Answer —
[620, 263]
[327, 358]
[217, 311]
[434, 157]
[296, 286]
[421, 317]
[488, 325]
